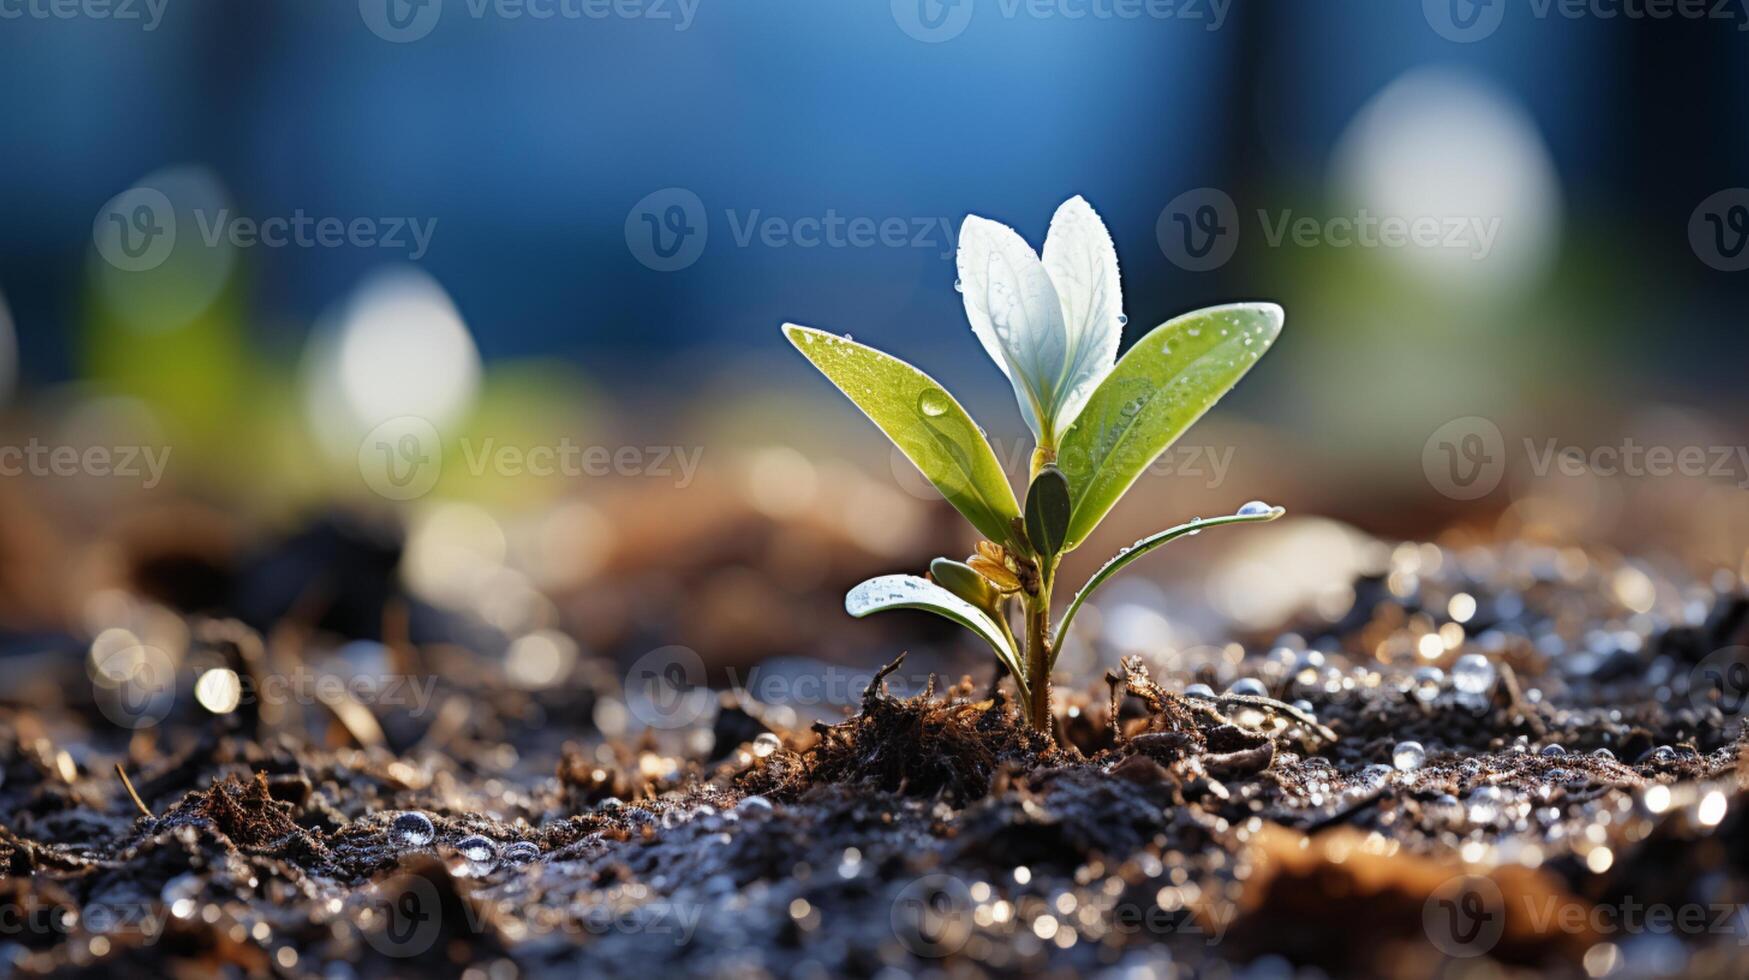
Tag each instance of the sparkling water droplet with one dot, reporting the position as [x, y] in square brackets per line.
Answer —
[1408, 756]
[1661, 754]
[1604, 754]
[1254, 508]
[1484, 804]
[959, 287]
[754, 804]
[1122, 320]
[1427, 683]
[477, 848]
[1249, 687]
[1199, 690]
[1376, 773]
[413, 829]
[933, 402]
[1306, 706]
[521, 852]
[1473, 674]
[1552, 749]
[766, 744]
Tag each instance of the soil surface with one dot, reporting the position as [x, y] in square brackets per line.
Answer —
[1504, 759]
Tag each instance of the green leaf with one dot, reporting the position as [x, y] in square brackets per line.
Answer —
[959, 578]
[923, 420]
[1047, 511]
[1141, 548]
[886, 592]
[1162, 385]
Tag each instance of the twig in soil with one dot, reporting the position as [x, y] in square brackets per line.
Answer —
[1270, 705]
[1518, 705]
[129, 784]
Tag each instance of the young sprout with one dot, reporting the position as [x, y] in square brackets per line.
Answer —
[1052, 326]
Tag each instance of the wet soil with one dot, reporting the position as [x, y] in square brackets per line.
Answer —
[1590, 763]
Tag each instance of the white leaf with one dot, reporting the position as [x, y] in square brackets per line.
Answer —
[1082, 264]
[1015, 312]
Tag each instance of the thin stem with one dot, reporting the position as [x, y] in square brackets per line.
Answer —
[1038, 660]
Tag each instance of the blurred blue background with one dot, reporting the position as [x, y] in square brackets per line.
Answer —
[529, 138]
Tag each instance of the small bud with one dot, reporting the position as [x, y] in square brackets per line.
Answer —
[992, 562]
[961, 580]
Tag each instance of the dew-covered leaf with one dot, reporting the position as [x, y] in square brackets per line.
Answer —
[1157, 390]
[886, 592]
[1255, 512]
[923, 420]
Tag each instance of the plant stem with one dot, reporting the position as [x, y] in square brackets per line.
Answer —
[1038, 661]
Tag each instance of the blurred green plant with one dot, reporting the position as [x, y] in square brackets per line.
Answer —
[1053, 326]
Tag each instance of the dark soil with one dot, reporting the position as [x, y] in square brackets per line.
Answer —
[1598, 771]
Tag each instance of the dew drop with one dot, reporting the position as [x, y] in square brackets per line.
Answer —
[1408, 756]
[1248, 687]
[766, 744]
[1122, 320]
[1484, 804]
[1199, 690]
[959, 287]
[1254, 508]
[754, 804]
[477, 848]
[413, 829]
[1473, 674]
[933, 402]
[1427, 682]
[521, 852]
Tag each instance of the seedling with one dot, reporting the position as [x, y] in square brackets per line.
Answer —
[1098, 421]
